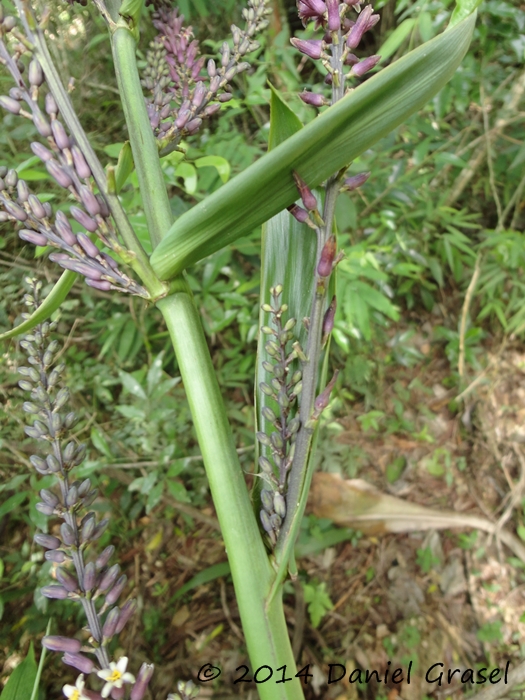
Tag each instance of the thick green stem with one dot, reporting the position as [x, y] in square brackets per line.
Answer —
[264, 627]
[145, 152]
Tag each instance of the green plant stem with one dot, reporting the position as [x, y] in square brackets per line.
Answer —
[145, 152]
[264, 626]
[138, 261]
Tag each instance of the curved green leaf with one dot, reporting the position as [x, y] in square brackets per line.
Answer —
[50, 304]
[323, 147]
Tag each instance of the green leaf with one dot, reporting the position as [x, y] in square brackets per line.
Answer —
[396, 39]
[318, 600]
[463, 9]
[21, 681]
[13, 502]
[50, 304]
[329, 143]
[125, 166]
[132, 385]
[210, 574]
[221, 165]
[100, 443]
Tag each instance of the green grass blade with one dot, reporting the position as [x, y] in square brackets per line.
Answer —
[327, 144]
[21, 681]
[50, 304]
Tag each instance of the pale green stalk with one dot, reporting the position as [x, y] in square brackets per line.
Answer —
[264, 625]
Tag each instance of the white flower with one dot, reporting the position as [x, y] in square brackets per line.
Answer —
[115, 676]
[76, 692]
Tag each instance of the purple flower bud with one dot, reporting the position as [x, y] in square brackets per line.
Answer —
[83, 219]
[328, 320]
[42, 125]
[102, 285]
[55, 592]
[49, 497]
[57, 643]
[193, 125]
[267, 500]
[360, 27]
[305, 192]
[352, 183]
[41, 151]
[365, 65]
[199, 94]
[141, 684]
[55, 555]
[11, 178]
[298, 213]
[83, 269]
[109, 578]
[9, 104]
[110, 623]
[324, 268]
[90, 576]
[53, 464]
[47, 541]
[32, 237]
[182, 118]
[279, 504]
[36, 460]
[81, 166]
[78, 458]
[59, 134]
[36, 206]
[44, 508]
[211, 68]
[67, 579]
[334, 20]
[88, 526]
[266, 465]
[83, 489]
[87, 245]
[72, 497]
[79, 661]
[67, 534]
[64, 230]
[126, 612]
[50, 106]
[310, 47]
[48, 209]
[15, 211]
[16, 93]
[23, 191]
[275, 521]
[58, 173]
[311, 98]
[117, 589]
[104, 557]
[351, 59]
[35, 73]
[265, 521]
[322, 401]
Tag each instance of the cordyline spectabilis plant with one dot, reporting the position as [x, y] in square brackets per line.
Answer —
[177, 91]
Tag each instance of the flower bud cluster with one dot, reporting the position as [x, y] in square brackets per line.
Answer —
[181, 96]
[283, 392]
[43, 228]
[342, 36]
[67, 165]
[95, 583]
